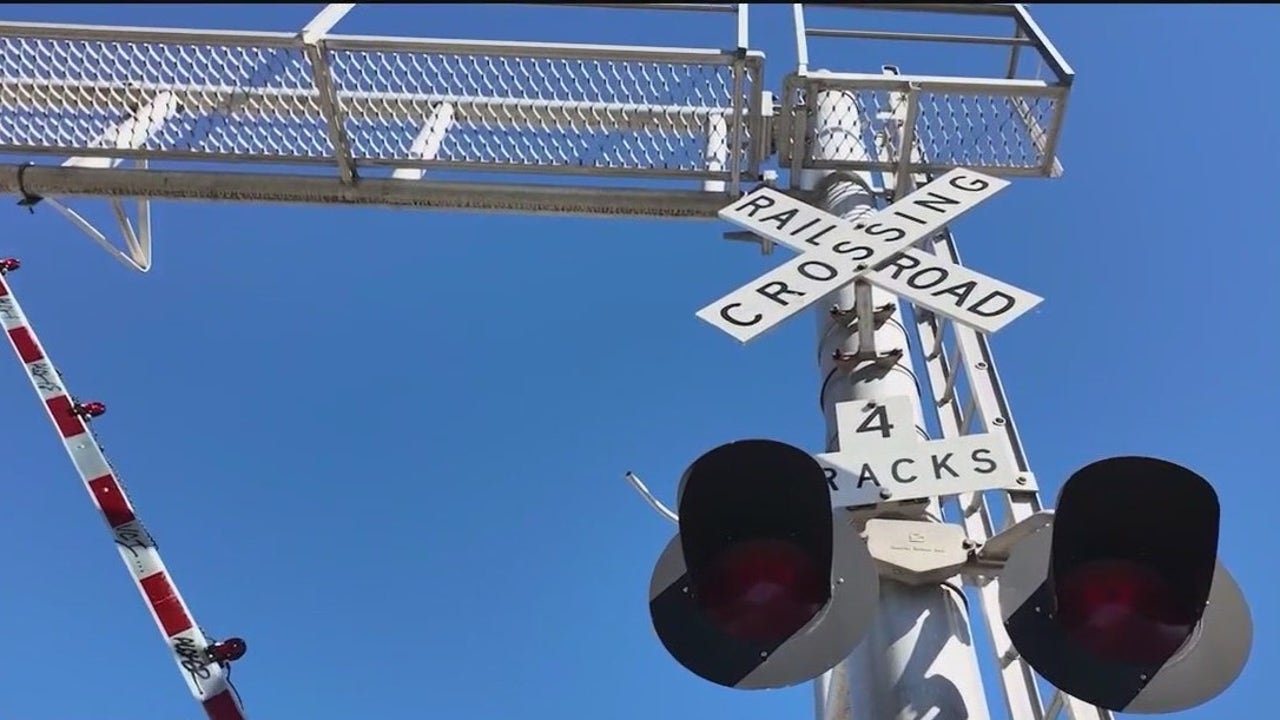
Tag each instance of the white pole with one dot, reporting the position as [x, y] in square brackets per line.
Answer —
[324, 21]
[918, 660]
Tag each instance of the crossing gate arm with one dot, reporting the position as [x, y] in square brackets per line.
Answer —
[206, 678]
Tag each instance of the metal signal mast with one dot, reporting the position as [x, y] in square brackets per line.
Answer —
[865, 548]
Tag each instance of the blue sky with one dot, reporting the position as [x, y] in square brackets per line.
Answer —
[387, 447]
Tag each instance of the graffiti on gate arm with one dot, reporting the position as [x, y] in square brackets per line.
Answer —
[193, 659]
[132, 537]
[42, 374]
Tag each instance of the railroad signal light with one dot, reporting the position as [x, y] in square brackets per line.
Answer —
[764, 586]
[88, 410]
[1121, 601]
[227, 651]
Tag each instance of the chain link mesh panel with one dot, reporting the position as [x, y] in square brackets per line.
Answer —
[535, 111]
[990, 128]
[252, 96]
[239, 100]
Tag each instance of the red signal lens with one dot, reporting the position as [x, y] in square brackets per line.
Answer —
[1122, 611]
[763, 590]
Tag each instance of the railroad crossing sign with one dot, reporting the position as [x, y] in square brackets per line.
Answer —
[882, 459]
[835, 252]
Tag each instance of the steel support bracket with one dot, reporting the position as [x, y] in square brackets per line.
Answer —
[993, 553]
[851, 361]
[880, 315]
[766, 245]
[916, 552]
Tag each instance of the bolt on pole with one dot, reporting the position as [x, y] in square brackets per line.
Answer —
[918, 657]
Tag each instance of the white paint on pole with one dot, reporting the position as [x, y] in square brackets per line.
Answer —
[880, 452]
[837, 251]
[323, 22]
[428, 141]
[131, 133]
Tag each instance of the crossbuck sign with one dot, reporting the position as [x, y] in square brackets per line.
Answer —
[835, 252]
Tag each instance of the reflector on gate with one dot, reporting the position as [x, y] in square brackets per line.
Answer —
[1122, 602]
[764, 586]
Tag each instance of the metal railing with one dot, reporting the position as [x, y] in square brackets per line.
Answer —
[380, 107]
[1004, 125]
